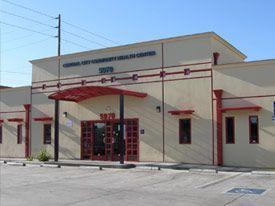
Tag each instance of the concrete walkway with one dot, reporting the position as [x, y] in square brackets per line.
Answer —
[129, 165]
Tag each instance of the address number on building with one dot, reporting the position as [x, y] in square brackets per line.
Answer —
[107, 116]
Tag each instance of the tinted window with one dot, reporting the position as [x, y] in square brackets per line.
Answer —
[253, 129]
[19, 134]
[185, 131]
[230, 130]
[47, 134]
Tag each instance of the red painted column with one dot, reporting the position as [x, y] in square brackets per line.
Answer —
[218, 94]
[27, 129]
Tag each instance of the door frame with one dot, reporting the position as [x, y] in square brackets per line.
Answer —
[112, 121]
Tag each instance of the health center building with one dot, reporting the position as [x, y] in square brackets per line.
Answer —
[188, 99]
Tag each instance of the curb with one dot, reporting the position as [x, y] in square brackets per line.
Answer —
[263, 172]
[16, 163]
[196, 170]
[149, 167]
[50, 165]
[91, 167]
[33, 165]
[102, 166]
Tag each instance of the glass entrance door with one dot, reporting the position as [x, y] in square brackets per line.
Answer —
[99, 140]
[115, 127]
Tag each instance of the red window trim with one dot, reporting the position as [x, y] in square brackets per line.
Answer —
[19, 134]
[180, 142]
[250, 141]
[226, 134]
[44, 139]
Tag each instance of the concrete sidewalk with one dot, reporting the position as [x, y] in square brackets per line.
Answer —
[147, 165]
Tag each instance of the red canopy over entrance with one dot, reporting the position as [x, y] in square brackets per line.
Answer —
[79, 94]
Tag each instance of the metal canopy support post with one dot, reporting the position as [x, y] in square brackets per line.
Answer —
[121, 126]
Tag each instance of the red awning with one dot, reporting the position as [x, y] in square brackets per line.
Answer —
[79, 94]
[43, 119]
[179, 112]
[15, 120]
[255, 108]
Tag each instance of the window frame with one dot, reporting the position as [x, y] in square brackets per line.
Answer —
[226, 126]
[44, 137]
[249, 122]
[19, 134]
[180, 131]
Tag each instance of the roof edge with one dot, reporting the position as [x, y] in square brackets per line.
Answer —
[228, 45]
[146, 43]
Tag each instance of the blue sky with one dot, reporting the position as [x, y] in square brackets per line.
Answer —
[248, 24]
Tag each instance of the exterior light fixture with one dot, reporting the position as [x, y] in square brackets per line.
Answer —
[158, 110]
[108, 108]
[65, 114]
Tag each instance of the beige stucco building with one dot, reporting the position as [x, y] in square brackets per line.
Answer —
[189, 99]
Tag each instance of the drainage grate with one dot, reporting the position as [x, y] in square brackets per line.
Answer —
[252, 191]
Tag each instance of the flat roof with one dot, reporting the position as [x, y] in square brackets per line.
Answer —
[152, 42]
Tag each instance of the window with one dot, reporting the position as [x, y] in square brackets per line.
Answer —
[19, 134]
[253, 130]
[230, 130]
[1, 134]
[47, 133]
[185, 131]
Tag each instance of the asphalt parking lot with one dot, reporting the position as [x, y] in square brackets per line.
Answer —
[91, 186]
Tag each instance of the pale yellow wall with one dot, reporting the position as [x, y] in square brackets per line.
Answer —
[243, 80]
[227, 55]
[187, 52]
[251, 155]
[41, 107]
[151, 143]
[184, 95]
[180, 93]
[45, 70]
[141, 108]
[13, 99]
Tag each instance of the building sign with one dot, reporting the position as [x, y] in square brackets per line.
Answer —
[69, 123]
[110, 59]
[107, 116]
[105, 70]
